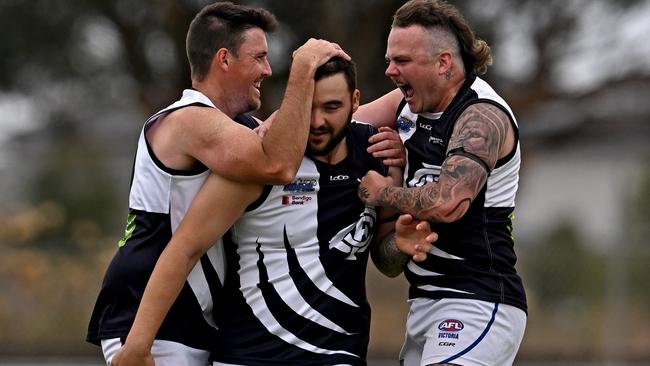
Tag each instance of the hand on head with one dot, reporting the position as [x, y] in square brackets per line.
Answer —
[318, 52]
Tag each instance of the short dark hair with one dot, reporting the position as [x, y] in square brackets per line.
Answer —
[336, 65]
[221, 25]
[431, 14]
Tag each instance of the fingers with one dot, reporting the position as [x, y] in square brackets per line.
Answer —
[385, 149]
[388, 146]
[399, 163]
[419, 257]
[405, 219]
[319, 51]
[423, 226]
[385, 133]
[340, 53]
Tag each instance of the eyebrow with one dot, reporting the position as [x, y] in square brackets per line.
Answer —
[333, 103]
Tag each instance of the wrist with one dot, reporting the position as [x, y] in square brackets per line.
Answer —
[304, 65]
[382, 196]
[138, 345]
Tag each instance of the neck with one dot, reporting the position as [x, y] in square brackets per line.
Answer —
[453, 86]
[217, 96]
[337, 154]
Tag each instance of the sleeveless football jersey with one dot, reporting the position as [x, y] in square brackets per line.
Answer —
[159, 198]
[295, 287]
[474, 257]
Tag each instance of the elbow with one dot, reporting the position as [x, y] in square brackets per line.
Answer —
[389, 265]
[390, 272]
[446, 213]
[281, 174]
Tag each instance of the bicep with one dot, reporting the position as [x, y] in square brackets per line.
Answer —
[380, 112]
[227, 148]
[235, 152]
[481, 131]
[473, 152]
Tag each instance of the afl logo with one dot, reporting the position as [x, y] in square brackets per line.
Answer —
[451, 325]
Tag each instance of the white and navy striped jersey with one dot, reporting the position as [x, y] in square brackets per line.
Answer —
[295, 287]
[159, 198]
[474, 257]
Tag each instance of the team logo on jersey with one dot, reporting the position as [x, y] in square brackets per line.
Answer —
[451, 325]
[449, 328]
[356, 237]
[295, 200]
[429, 173]
[301, 185]
[425, 126]
[339, 177]
[436, 140]
[404, 124]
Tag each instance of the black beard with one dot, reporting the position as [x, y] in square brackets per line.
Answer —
[334, 142]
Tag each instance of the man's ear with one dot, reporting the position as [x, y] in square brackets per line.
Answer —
[220, 58]
[445, 61]
[356, 97]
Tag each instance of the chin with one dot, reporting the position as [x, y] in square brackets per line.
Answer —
[254, 105]
[414, 107]
[315, 150]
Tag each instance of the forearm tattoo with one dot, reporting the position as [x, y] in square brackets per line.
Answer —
[387, 257]
[363, 192]
[481, 130]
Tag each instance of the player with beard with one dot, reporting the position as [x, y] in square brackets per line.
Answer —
[296, 257]
[178, 147]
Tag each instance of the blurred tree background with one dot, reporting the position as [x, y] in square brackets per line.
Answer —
[78, 79]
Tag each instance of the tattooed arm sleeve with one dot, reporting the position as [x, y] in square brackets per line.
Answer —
[481, 132]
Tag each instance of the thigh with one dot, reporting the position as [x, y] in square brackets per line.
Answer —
[472, 333]
[165, 353]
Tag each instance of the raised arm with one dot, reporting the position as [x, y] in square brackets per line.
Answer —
[215, 208]
[237, 153]
[481, 136]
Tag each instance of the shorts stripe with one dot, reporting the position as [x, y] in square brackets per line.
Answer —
[478, 340]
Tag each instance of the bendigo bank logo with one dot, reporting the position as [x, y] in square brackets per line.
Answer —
[295, 200]
[298, 191]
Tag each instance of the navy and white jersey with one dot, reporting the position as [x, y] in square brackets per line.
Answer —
[295, 287]
[159, 198]
[474, 257]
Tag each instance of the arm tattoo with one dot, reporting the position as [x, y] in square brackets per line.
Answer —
[387, 258]
[363, 192]
[481, 130]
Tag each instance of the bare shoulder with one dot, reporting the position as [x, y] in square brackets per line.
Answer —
[484, 130]
[197, 115]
